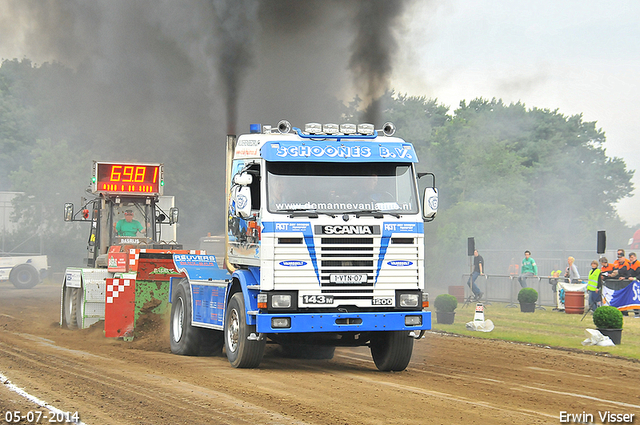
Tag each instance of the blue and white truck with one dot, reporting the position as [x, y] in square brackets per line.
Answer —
[324, 248]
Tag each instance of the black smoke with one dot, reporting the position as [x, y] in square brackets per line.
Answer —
[165, 81]
[373, 50]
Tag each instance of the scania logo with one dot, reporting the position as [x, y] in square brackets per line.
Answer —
[347, 230]
[399, 263]
[242, 201]
[293, 263]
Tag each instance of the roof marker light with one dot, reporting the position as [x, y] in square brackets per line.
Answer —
[254, 128]
[330, 128]
[313, 128]
[366, 129]
[348, 128]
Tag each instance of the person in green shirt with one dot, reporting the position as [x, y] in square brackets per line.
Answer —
[528, 268]
[128, 226]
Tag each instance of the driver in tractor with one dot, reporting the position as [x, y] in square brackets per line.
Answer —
[128, 226]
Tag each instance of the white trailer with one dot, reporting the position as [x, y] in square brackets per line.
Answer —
[23, 270]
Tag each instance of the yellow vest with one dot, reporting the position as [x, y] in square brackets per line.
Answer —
[592, 284]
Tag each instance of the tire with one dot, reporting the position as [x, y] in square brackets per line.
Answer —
[307, 351]
[24, 276]
[241, 352]
[391, 351]
[72, 301]
[188, 340]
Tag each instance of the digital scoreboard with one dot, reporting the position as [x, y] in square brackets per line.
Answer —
[127, 178]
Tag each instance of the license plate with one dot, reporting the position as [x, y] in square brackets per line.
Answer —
[348, 278]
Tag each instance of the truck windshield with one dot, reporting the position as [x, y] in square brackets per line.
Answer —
[341, 187]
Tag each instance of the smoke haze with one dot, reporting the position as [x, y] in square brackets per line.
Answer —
[165, 81]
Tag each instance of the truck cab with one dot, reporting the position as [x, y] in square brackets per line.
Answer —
[325, 242]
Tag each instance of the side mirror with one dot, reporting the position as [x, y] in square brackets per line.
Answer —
[243, 179]
[242, 199]
[68, 211]
[173, 214]
[430, 203]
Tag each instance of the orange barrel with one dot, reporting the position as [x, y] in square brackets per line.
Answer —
[573, 302]
[458, 292]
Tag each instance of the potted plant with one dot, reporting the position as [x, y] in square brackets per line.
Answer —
[527, 298]
[445, 305]
[608, 321]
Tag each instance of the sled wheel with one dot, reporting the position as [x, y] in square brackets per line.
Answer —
[72, 308]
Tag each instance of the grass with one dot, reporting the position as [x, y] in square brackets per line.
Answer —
[544, 327]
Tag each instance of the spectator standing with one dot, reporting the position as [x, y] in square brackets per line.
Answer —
[572, 271]
[553, 280]
[478, 270]
[514, 268]
[634, 274]
[605, 268]
[529, 268]
[594, 284]
[633, 271]
[620, 266]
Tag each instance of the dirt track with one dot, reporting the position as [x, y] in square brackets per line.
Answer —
[450, 380]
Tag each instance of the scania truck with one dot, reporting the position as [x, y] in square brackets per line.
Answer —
[324, 248]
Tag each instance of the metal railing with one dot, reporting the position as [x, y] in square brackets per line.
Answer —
[504, 288]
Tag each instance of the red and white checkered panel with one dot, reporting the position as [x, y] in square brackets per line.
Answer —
[119, 311]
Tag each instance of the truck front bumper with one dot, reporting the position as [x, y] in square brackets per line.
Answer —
[343, 322]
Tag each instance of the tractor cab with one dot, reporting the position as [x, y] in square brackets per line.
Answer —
[124, 211]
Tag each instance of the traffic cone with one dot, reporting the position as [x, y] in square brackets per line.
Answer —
[478, 323]
[479, 316]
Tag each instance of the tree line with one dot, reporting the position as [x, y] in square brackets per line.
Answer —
[509, 175]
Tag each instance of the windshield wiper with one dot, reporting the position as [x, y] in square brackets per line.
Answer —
[375, 213]
[311, 213]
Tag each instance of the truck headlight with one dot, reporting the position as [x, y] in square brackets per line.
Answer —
[410, 300]
[281, 301]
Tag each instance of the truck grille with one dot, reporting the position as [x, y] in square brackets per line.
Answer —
[342, 256]
[350, 268]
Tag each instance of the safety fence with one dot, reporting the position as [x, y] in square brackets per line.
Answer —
[505, 288]
[503, 285]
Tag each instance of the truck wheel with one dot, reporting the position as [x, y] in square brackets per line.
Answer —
[24, 276]
[188, 340]
[72, 308]
[241, 352]
[391, 350]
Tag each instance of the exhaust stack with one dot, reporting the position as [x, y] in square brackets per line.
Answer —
[231, 148]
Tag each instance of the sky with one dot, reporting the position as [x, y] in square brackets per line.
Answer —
[580, 57]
